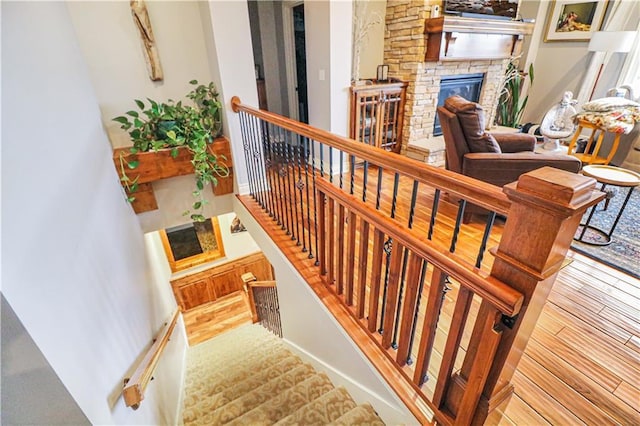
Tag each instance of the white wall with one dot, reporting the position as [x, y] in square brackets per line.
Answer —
[327, 26]
[76, 273]
[273, 68]
[111, 46]
[372, 51]
[227, 37]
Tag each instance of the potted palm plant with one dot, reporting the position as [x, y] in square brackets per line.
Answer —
[176, 127]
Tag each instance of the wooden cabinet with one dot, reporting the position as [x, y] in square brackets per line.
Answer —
[377, 112]
[209, 285]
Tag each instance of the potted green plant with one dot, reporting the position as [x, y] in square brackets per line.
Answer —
[511, 105]
[175, 126]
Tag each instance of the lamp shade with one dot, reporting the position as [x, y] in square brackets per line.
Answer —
[612, 41]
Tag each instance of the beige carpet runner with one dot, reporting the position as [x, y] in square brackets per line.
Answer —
[248, 377]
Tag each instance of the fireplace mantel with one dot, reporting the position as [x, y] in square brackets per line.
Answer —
[452, 38]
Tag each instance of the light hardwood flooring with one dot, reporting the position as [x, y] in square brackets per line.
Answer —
[207, 321]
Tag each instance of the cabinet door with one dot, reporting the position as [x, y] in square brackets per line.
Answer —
[195, 294]
[226, 283]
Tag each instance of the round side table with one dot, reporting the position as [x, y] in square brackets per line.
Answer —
[613, 176]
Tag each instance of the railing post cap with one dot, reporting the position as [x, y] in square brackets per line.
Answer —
[235, 103]
[554, 188]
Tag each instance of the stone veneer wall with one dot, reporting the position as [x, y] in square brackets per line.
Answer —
[404, 52]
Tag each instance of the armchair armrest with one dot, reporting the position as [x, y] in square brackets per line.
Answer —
[515, 142]
[500, 169]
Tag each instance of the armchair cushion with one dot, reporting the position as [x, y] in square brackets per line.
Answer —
[501, 169]
[471, 117]
[515, 142]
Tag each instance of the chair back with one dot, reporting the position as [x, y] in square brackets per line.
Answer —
[455, 143]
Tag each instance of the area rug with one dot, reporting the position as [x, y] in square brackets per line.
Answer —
[624, 251]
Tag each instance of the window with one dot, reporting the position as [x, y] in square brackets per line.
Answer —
[192, 244]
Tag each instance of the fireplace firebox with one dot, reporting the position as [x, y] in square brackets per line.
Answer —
[466, 85]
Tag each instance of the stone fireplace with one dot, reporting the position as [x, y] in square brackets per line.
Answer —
[451, 47]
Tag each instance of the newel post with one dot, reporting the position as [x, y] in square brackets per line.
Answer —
[547, 205]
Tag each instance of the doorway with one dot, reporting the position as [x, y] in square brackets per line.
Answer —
[301, 63]
[296, 59]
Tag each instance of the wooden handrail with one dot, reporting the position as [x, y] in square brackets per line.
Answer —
[261, 284]
[500, 295]
[477, 192]
[136, 385]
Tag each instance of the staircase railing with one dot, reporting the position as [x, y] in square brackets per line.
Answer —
[136, 385]
[262, 298]
[369, 220]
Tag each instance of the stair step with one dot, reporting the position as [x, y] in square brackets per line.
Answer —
[248, 377]
[322, 411]
[247, 402]
[286, 403]
[363, 414]
[210, 397]
[233, 373]
[206, 385]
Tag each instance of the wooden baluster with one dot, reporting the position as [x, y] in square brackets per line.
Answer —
[331, 220]
[322, 249]
[376, 277]
[548, 203]
[341, 254]
[350, 258]
[411, 296]
[458, 321]
[363, 263]
[434, 304]
[392, 293]
[480, 365]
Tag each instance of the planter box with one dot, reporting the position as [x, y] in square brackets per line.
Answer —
[160, 165]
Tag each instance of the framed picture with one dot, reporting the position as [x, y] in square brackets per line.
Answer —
[192, 244]
[574, 20]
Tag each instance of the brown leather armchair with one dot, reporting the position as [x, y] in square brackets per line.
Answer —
[499, 158]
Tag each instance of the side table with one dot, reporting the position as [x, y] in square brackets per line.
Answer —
[614, 176]
[593, 157]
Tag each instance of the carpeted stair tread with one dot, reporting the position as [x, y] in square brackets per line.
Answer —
[286, 403]
[210, 390]
[228, 351]
[260, 377]
[232, 372]
[247, 402]
[210, 363]
[362, 415]
[322, 411]
[249, 377]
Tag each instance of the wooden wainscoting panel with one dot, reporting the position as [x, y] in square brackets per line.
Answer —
[206, 286]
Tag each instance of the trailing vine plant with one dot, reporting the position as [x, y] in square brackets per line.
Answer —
[171, 125]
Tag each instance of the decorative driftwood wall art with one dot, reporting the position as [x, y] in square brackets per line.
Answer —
[142, 21]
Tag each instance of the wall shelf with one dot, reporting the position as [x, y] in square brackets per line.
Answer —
[160, 165]
[452, 38]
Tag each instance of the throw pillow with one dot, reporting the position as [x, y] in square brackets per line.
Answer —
[471, 117]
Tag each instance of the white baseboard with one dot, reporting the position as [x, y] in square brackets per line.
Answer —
[387, 411]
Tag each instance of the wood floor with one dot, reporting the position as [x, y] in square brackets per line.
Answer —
[207, 321]
[582, 365]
